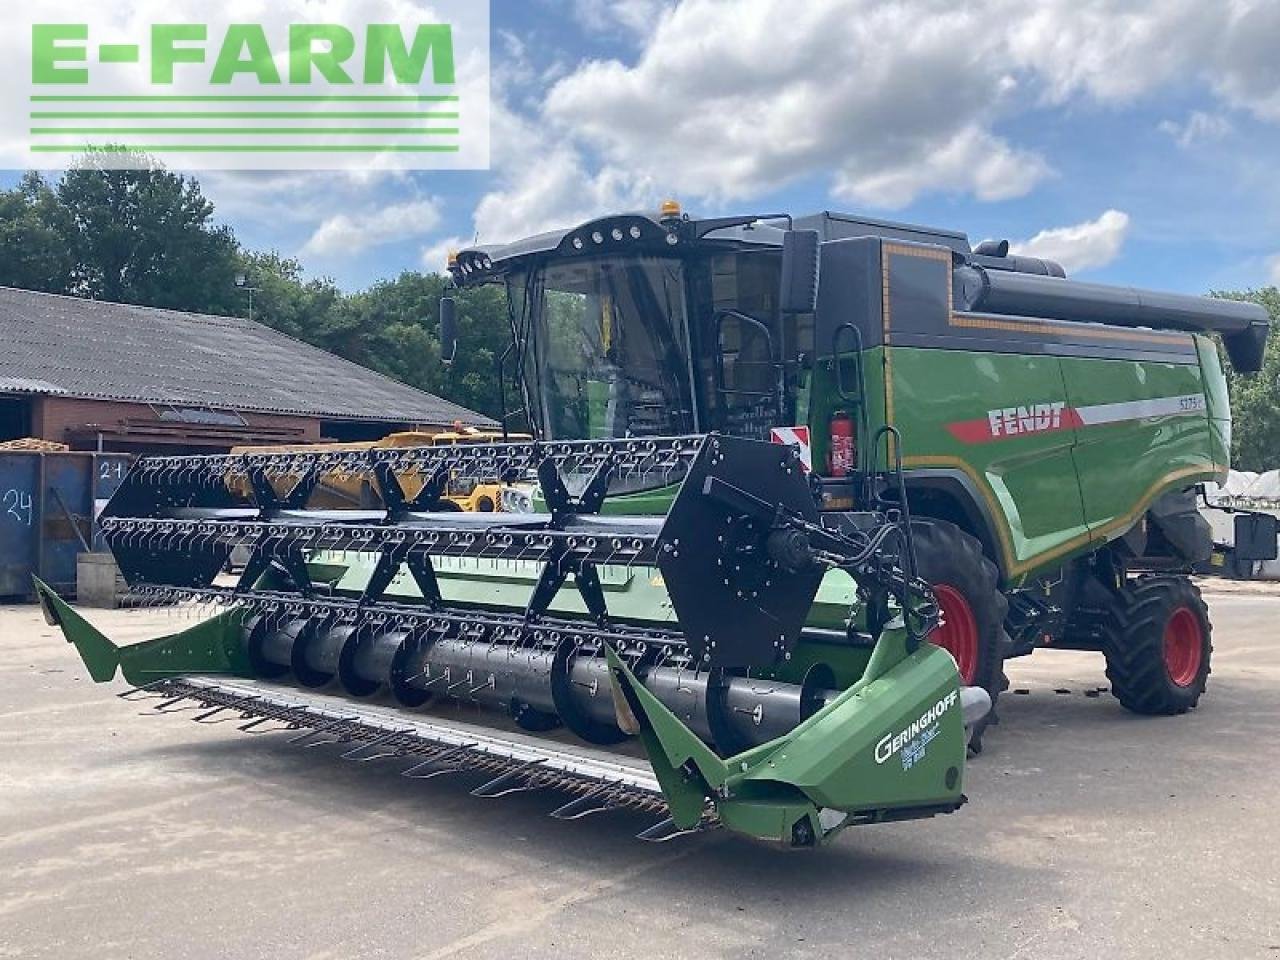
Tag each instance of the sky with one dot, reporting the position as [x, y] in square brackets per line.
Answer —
[1136, 142]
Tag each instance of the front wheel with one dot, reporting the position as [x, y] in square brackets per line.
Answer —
[1158, 646]
[967, 587]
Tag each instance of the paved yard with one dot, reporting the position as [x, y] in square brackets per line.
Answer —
[1090, 832]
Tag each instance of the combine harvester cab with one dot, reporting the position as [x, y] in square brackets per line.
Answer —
[745, 715]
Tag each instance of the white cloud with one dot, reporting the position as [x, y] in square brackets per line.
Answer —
[543, 182]
[352, 233]
[737, 97]
[1084, 246]
[1199, 127]
[1118, 50]
[1273, 270]
[299, 197]
[972, 161]
[637, 17]
[729, 99]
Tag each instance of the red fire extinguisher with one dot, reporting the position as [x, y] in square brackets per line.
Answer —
[842, 456]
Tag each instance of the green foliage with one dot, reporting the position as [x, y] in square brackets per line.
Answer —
[34, 231]
[131, 236]
[1255, 399]
[400, 320]
[145, 235]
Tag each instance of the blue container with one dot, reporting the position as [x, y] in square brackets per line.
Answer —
[49, 505]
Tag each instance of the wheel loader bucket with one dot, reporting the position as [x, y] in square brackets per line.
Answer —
[678, 675]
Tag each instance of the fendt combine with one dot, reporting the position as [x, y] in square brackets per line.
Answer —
[800, 488]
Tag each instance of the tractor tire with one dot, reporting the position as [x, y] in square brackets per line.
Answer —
[967, 586]
[1158, 644]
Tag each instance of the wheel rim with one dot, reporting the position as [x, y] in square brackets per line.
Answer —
[1183, 647]
[958, 634]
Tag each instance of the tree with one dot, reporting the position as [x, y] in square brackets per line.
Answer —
[34, 238]
[145, 235]
[1255, 398]
[308, 310]
[400, 321]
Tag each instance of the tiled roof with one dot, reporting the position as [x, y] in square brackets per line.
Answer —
[64, 346]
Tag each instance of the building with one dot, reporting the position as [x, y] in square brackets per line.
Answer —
[108, 376]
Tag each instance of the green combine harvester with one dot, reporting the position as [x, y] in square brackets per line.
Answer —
[800, 487]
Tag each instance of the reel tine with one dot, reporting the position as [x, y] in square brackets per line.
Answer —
[167, 707]
[246, 710]
[353, 753]
[412, 773]
[664, 831]
[317, 731]
[147, 688]
[204, 717]
[579, 808]
[497, 787]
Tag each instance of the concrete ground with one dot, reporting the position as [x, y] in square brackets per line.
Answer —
[1090, 832]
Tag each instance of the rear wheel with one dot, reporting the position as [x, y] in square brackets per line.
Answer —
[967, 586]
[1158, 646]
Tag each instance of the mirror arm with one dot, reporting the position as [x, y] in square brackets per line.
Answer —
[502, 389]
[448, 333]
[775, 361]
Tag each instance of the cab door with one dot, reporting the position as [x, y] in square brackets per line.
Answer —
[1001, 420]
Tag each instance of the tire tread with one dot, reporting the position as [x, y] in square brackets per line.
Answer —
[1133, 638]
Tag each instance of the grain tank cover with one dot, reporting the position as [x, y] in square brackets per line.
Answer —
[845, 226]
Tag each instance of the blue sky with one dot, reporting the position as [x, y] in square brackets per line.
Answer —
[1137, 141]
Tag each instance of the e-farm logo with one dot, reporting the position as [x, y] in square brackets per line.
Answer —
[287, 91]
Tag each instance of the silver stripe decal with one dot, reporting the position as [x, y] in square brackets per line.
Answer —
[1192, 403]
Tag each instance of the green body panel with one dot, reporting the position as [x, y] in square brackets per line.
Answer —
[1029, 481]
[1123, 466]
[1219, 402]
[1048, 495]
[824, 400]
[833, 757]
[894, 740]
[212, 646]
[635, 594]
[644, 503]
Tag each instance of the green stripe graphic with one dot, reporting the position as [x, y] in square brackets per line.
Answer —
[247, 115]
[256, 131]
[303, 121]
[63, 98]
[246, 148]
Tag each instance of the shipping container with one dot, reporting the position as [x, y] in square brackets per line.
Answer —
[49, 505]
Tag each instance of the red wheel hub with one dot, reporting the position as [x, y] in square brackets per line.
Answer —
[1183, 647]
[958, 634]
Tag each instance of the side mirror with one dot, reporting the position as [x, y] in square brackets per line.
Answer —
[799, 293]
[1256, 535]
[448, 330]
